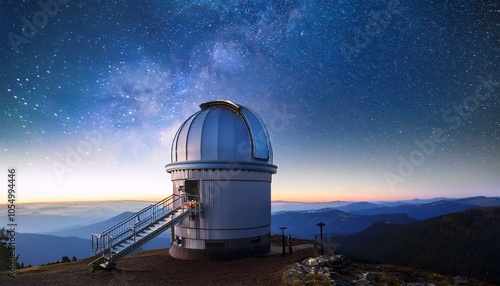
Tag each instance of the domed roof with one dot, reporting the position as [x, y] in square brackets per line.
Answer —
[222, 131]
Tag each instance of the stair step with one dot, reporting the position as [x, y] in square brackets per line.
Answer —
[123, 245]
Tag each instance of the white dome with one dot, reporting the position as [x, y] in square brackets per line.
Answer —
[222, 132]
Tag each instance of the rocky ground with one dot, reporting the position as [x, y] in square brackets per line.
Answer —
[338, 270]
[156, 267]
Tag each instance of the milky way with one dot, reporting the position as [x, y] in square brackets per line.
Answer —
[362, 99]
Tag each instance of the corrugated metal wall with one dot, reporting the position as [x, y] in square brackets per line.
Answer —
[220, 234]
[193, 243]
[236, 204]
[240, 204]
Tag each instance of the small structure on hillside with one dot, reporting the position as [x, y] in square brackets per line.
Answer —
[222, 156]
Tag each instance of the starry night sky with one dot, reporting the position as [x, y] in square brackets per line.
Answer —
[364, 100]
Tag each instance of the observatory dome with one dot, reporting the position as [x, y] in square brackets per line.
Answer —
[222, 132]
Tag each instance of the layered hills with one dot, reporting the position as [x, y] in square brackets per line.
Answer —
[465, 243]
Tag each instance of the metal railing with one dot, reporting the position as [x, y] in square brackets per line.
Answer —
[128, 228]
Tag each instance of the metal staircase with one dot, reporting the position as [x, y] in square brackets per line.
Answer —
[130, 234]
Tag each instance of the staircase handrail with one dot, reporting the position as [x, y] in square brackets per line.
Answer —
[123, 238]
[126, 234]
[133, 216]
[154, 233]
[123, 227]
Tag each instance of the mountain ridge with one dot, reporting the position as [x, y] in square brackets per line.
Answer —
[336, 221]
[85, 231]
[466, 242]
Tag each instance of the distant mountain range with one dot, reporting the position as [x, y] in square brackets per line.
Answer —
[355, 217]
[427, 210]
[86, 230]
[465, 243]
[303, 223]
[42, 223]
[48, 217]
[279, 206]
[37, 249]
[55, 234]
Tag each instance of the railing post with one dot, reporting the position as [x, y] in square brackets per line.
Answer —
[110, 244]
[96, 249]
[153, 209]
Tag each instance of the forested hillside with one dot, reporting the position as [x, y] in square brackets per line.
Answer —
[465, 243]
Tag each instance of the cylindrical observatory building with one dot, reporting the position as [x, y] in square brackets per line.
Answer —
[223, 155]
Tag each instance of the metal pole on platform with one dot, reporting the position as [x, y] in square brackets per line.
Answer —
[321, 234]
[283, 239]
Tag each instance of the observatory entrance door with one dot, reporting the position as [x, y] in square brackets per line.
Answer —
[192, 187]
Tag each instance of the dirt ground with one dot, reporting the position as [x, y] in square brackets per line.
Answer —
[156, 267]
